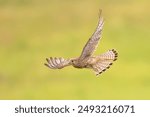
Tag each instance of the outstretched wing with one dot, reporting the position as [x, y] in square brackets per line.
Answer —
[57, 63]
[104, 61]
[92, 43]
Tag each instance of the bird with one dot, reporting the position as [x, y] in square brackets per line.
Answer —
[98, 64]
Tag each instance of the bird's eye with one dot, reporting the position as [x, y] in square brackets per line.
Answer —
[72, 61]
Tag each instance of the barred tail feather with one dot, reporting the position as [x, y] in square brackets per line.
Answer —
[109, 55]
[105, 61]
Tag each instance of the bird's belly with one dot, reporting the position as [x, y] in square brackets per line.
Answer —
[80, 66]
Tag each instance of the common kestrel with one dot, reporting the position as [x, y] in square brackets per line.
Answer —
[98, 63]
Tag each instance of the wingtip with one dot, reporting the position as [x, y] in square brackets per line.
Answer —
[47, 59]
[46, 64]
[100, 13]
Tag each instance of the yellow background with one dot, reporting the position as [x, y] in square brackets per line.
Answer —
[31, 30]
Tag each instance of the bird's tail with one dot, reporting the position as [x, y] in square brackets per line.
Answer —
[104, 62]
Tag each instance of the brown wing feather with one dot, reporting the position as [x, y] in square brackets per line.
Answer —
[57, 63]
[92, 43]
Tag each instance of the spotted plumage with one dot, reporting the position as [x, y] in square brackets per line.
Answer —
[98, 63]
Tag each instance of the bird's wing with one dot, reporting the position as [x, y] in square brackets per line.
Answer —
[92, 43]
[57, 63]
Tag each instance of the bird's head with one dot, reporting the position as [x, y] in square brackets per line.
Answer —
[74, 61]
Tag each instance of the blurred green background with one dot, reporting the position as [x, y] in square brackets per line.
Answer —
[31, 30]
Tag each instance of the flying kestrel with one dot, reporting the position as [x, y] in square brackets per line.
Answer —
[86, 60]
